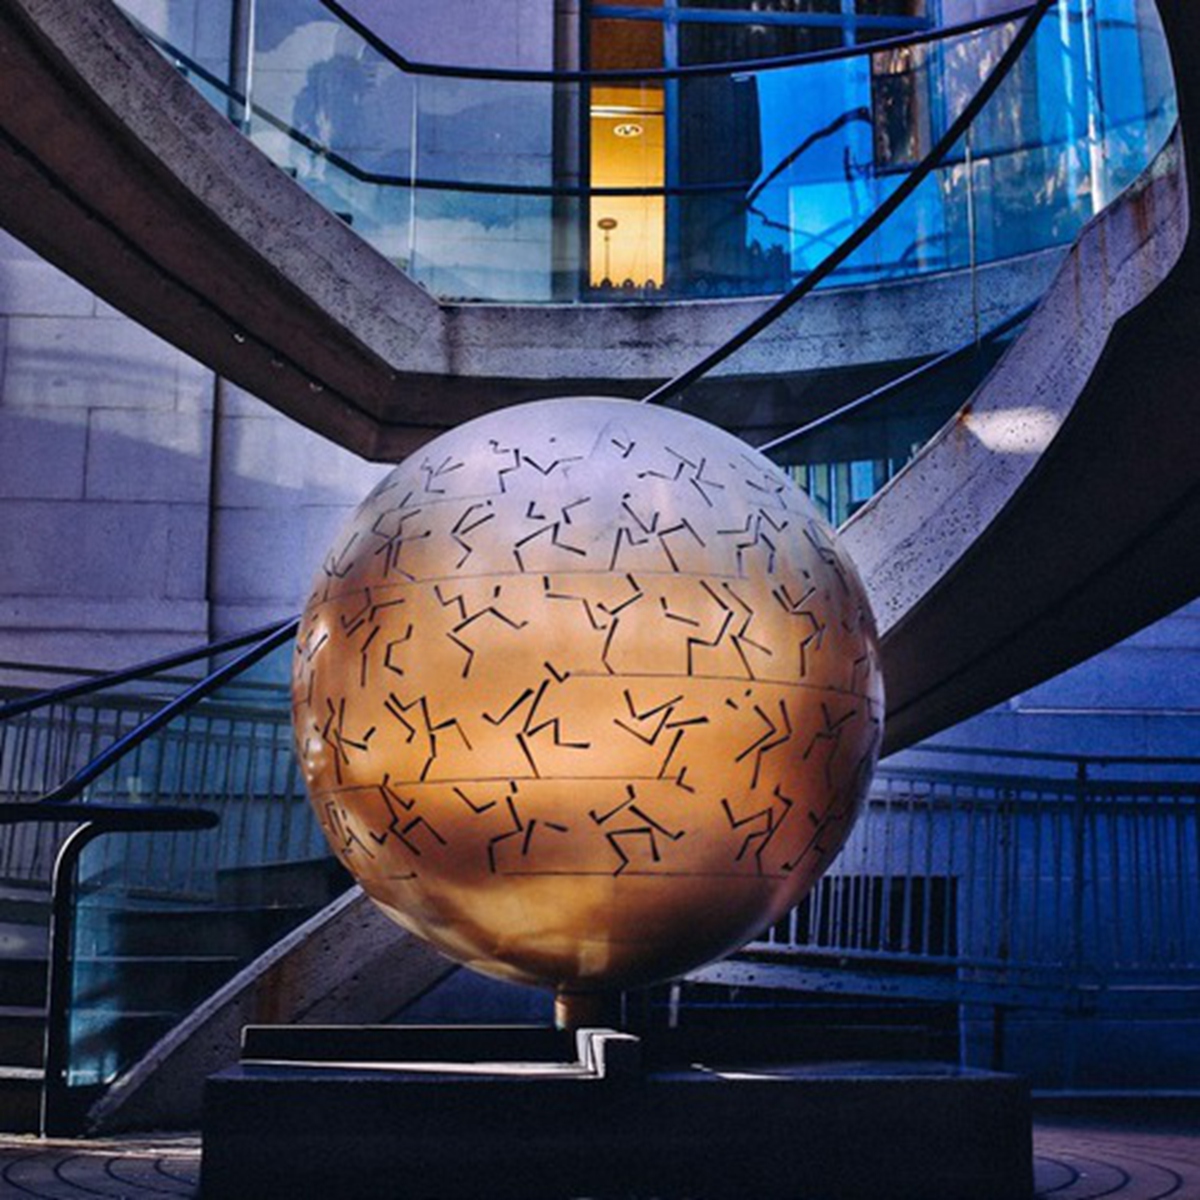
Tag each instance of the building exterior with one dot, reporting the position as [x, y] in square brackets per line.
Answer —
[179, 507]
[147, 503]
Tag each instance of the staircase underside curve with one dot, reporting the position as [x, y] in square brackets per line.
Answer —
[116, 169]
[994, 561]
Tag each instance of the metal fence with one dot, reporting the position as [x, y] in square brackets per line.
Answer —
[236, 757]
[1011, 879]
[41, 748]
[1054, 874]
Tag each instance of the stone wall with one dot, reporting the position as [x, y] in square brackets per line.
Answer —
[143, 505]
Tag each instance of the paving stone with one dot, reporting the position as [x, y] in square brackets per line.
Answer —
[1074, 1160]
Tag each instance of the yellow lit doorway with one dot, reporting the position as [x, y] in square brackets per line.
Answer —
[627, 151]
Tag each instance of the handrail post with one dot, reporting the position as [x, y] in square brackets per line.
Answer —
[241, 62]
[1078, 855]
[55, 1119]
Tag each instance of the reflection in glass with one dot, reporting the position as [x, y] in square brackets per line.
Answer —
[727, 184]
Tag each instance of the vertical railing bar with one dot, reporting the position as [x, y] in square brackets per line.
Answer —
[1135, 827]
[1092, 826]
[290, 800]
[1193, 835]
[1179, 827]
[1160, 880]
[991, 875]
[19, 853]
[226, 783]
[190, 760]
[885, 907]
[950, 897]
[819, 919]
[213, 760]
[1035, 924]
[145, 842]
[60, 742]
[166, 743]
[837, 908]
[849, 926]
[27, 752]
[43, 750]
[209, 747]
[1005, 871]
[1116, 853]
[272, 811]
[907, 921]
[927, 875]
[248, 793]
[970, 875]
[1077, 851]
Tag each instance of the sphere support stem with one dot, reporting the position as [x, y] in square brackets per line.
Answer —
[587, 1010]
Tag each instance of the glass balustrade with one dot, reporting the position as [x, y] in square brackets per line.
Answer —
[527, 188]
[163, 919]
[993, 222]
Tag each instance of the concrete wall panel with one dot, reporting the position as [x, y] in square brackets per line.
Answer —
[86, 549]
[42, 458]
[30, 286]
[87, 362]
[272, 463]
[147, 456]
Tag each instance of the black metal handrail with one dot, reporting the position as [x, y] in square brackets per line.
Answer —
[70, 788]
[143, 670]
[59, 1115]
[901, 383]
[567, 191]
[945, 144]
[659, 74]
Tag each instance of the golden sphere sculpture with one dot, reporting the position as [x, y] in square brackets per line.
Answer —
[586, 694]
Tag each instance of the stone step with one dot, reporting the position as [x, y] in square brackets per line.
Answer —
[24, 903]
[20, 1099]
[22, 1035]
[21, 940]
[23, 980]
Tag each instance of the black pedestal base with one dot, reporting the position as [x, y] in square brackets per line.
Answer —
[458, 1121]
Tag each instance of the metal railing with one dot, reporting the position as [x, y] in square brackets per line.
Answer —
[47, 736]
[72, 804]
[955, 131]
[434, 165]
[1030, 886]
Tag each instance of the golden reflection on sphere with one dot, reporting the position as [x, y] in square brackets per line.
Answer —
[586, 694]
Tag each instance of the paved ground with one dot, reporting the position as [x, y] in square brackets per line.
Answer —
[1076, 1160]
[1084, 1159]
[127, 1168]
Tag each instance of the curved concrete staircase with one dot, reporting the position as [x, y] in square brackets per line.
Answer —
[995, 560]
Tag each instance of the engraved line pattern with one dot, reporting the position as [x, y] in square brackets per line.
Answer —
[600, 652]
